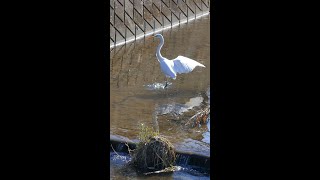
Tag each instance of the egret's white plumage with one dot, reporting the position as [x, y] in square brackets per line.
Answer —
[176, 66]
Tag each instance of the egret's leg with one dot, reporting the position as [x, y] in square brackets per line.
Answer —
[166, 82]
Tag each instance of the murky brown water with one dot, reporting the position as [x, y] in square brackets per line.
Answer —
[137, 93]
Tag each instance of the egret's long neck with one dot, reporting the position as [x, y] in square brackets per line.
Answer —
[159, 48]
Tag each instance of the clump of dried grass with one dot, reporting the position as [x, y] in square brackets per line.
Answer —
[153, 153]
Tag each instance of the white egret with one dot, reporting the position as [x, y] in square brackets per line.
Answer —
[176, 66]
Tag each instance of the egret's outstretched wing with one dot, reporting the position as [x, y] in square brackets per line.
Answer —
[183, 64]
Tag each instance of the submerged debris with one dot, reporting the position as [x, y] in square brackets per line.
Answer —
[166, 170]
[195, 112]
[201, 117]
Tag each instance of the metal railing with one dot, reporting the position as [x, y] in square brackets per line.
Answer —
[134, 19]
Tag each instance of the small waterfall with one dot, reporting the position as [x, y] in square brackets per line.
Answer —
[120, 147]
[182, 160]
[187, 162]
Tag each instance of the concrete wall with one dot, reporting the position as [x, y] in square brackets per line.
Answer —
[132, 18]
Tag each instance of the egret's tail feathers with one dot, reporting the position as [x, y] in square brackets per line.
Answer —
[201, 65]
[185, 65]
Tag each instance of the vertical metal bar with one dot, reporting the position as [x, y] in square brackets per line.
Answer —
[201, 7]
[124, 21]
[125, 36]
[170, 8]
[154, 26]
[144, 23]
[171, 19]
[135, 32]
[195, 10]
[135, 26]
[114, 23]
[187, 15]
[170, 11]
[161, 14]
[144, 27]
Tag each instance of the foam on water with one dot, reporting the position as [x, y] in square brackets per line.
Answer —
[157, 86]
[119, 158]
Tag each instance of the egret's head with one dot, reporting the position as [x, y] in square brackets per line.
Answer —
[158, 36]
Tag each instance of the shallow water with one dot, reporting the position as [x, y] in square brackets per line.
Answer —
[119, 170]
[138, 95]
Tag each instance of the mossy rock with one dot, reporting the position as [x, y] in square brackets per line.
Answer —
[155, 154]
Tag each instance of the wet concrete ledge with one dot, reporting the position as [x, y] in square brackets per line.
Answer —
[196, 161]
